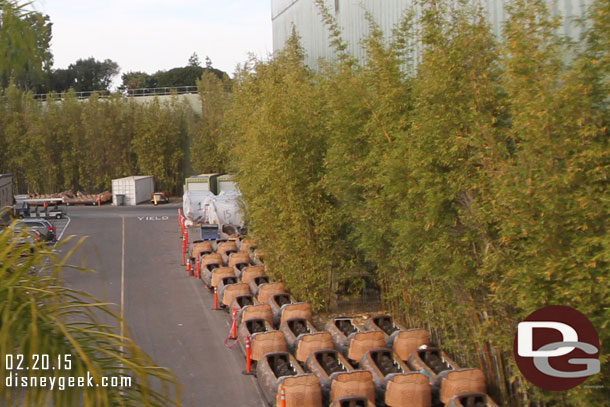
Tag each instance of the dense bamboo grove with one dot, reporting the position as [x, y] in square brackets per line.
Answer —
[83, 145]
[475, 187]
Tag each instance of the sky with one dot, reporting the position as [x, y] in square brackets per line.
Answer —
[152, 35]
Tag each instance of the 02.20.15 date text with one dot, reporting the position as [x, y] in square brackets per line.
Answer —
[37, 362]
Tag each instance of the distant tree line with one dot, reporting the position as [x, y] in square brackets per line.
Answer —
[84, 145]
[185, 76]
[84, 75]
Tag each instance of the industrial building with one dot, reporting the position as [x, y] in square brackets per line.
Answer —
[350, 16]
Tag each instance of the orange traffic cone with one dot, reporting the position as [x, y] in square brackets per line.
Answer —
[216, 299]
[234, 324]
[248, 370]
[188, 267]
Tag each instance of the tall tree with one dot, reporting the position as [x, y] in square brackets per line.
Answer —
[91, 74]
[61, 80]
[25, 36]
[278, 154]
[550, 203]
[138, 80]
[194, 60]
[160, 133]
[207, 153]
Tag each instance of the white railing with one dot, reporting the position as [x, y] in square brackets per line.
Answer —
[164, 91]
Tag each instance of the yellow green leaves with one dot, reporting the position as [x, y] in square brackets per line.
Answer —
[277, 146]
[209, 141]
[473, 185]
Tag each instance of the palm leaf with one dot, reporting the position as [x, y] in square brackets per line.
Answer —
[39, 316]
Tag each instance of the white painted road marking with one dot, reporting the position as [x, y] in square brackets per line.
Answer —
[123, 280]
[153, 217]
[63, 230]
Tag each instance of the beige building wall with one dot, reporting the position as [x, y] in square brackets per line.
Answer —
[6, 190]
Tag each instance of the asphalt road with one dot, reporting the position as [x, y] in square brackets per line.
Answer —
[135, 252]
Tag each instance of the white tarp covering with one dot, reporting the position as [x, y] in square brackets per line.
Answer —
[206, 208]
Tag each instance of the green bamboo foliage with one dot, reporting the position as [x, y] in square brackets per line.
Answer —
[595, 61]
[14, 130]
[36, 143]
[159, 141]
[368, 109]
[549, 203]
[65, 127]
[207, 152]
[436, 175]
[39, 316]
[473, 187]
[277, 155]
[81, 145]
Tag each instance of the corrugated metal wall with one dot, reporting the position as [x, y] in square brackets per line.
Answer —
[303, 15]
[350, 14]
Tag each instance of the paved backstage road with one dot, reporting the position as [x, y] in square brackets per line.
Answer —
[136, 254]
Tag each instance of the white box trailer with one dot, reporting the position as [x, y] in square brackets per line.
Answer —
[131, 191]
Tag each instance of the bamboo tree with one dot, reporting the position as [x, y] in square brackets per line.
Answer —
[549, 208]
[439, 176]
[14, 130]
[368, 109]
[207, 154]
[37, 144]
[64, 123]
[278, 155]
[92, 161]
[3, 141]
[117, 132]
[160, 132]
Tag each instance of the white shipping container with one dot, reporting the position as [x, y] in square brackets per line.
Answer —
[136, 189]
